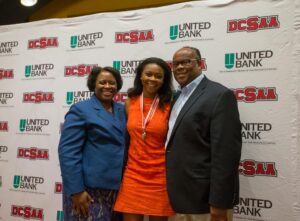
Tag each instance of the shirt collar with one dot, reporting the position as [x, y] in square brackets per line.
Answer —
[191, 86]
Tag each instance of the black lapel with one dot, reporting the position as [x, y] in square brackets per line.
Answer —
[175, 97]
[189, 103]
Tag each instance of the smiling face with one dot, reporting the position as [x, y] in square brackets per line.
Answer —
[152, 78]
[105, 87]
[186, 66]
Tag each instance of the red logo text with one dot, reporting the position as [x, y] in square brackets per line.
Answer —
[38, 97]
[43, 43]
[6, 74]
[27, 212]
[79, 70]
[134, 37]
[120, 97]
[58, 187]
[33, 153]
[254, 23]
[3, 126]
[255, 168]
[253, 94]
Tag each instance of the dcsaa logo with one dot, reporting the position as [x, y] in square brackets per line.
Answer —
[134, 37]
[3, 126]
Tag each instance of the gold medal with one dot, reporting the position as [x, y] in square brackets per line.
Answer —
[144, 135]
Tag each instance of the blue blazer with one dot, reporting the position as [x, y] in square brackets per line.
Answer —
[91, 147]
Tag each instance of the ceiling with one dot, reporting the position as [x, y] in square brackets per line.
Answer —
[12, 12]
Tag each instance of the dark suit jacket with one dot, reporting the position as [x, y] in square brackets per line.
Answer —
[203, 152]
[91, 147]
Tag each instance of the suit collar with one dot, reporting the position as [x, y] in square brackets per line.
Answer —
[199, 90]
[190, 87]
[98, 105]
[113, 118]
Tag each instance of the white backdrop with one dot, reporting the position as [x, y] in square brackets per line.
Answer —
[252, 47]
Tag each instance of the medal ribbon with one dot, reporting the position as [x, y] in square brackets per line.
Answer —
[150, 112]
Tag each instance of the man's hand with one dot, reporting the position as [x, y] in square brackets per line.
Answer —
[81, 202]
[218, 214]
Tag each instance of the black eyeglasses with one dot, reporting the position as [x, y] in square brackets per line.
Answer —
[184, 62]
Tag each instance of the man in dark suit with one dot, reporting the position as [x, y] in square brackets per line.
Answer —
[203, 146]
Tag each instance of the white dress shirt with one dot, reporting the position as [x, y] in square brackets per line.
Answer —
[182, 99]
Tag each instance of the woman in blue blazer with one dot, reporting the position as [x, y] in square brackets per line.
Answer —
[91, 150]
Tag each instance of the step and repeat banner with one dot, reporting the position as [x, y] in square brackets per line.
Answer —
[252, 47]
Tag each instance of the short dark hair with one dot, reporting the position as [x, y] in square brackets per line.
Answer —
[91, 81]
[165, 92]
[196, 50]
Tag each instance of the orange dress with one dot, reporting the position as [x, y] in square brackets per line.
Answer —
[143, 189]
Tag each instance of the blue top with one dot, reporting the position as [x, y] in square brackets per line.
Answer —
[91, 147]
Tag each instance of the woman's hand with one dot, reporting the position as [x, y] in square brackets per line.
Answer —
[81, 202]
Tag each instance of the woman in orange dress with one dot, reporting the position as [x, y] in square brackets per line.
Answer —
[143, 189]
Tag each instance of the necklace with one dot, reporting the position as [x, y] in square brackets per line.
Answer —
[150, 113]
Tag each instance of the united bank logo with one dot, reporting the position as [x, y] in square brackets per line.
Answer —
[33, 153]
[85, 40]
[59, 215]
[38, 97]
[27, 212]
[27, 183]
[251, 168]
[254, 94]
[253, 24]
[134, 37]
[5, 98]
[3, 126]
[6, 48]
[6, 73]
[126, 67]
[3, 151]
[189, 31]
[35, 126]
[38, 71]
[248, 61]
[80, 70]
[256, 133]
[73, 97]
[43, 43]
[251, 207]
